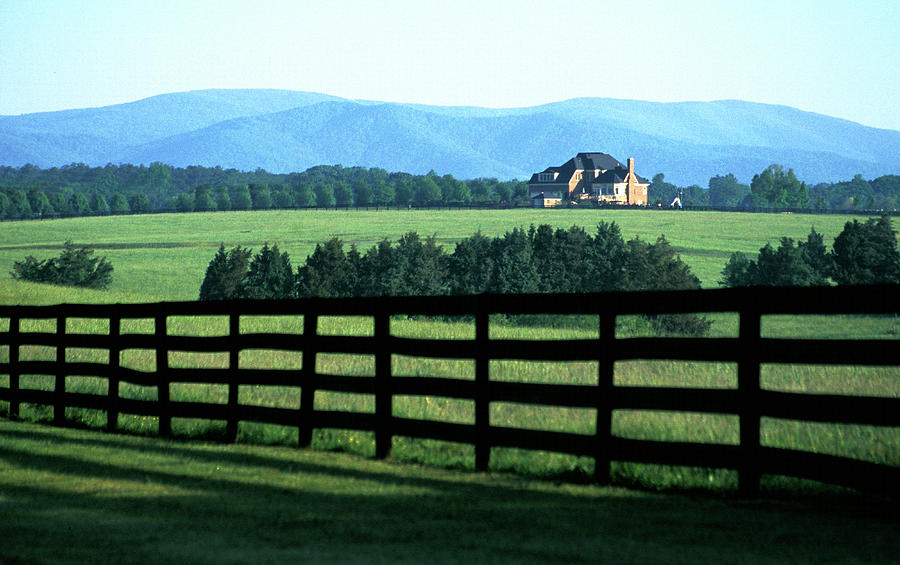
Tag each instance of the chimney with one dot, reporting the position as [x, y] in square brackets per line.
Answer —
[631, 166]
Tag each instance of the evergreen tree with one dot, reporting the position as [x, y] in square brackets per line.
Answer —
[327, 272]
[470, 266]
[225, 273]
[270, 276]
[75, 266]
[605, 258]
[866, 253]
[514, 271]
[816, 256]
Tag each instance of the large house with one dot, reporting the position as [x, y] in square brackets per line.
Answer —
[589, 176]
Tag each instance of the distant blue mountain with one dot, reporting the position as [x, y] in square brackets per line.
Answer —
[284, 131]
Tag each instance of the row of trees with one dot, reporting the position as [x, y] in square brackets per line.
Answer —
[79, 190]
[775, 187]
[28, 193]
[863, 253]
[537, 260]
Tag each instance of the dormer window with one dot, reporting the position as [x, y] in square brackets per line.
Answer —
[545, 177]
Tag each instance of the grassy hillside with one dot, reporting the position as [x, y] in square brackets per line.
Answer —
[164, 257]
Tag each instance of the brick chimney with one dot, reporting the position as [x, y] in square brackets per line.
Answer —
[631, 166]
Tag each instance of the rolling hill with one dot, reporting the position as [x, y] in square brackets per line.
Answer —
[284, 131]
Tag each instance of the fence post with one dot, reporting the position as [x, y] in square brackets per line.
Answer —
[384, 393]
[13, 366]
[162, 376]
[59, 389]
[605, 391]
[482, 389]
[748, 391]
[112, 409]
[309, 380]
[234, 358]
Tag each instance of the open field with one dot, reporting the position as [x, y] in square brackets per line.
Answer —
[72, 496]
[164, 257]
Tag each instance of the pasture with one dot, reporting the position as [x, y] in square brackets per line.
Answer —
[164, 256]
[72, 496]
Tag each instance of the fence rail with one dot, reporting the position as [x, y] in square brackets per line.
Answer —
[749, 402]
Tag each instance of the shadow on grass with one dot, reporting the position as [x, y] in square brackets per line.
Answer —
[75, 496]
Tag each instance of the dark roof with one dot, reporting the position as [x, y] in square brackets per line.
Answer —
[614, 176]
[589, 162]
[601, 161]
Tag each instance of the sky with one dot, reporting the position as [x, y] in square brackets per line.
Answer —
[838, 58]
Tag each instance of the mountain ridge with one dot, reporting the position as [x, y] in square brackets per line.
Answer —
[285, 131]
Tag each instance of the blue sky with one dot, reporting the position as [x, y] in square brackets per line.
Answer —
[838, 58]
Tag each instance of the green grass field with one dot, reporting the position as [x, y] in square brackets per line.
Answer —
[71, 496]
[163, 257]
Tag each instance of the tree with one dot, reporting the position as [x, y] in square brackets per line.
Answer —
[656, 266]
[79, 204]
[726, 192]
[260, 196]
[421, 266]
[514, 271]
[327, 272]
[240, 198]
[304, 196]
[39, 203]
[223, 199]
[75, 266]
[270, 276]
[778, 188]
[362, 193]
[470, 266]
[18, 205]
[343, 195]
[325, 196]
[383, 193]
[660, 191]
[139, 204]
[225, 273]
[806, 264]
[119, 204]
[4, 205]
[99, 205]
[203, 199]
[866, 253]
[184, 202]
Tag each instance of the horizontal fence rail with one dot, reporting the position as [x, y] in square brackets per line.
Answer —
[749, 350]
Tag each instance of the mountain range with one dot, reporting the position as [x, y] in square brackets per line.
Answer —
[285, 131]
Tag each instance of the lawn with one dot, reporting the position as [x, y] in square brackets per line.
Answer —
[74, 496]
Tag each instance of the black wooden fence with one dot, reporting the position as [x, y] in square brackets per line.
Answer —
[750, 402]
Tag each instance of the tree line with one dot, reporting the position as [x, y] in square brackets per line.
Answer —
[79, 190]
[778, 188]
[537, 260]
[863, 253]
